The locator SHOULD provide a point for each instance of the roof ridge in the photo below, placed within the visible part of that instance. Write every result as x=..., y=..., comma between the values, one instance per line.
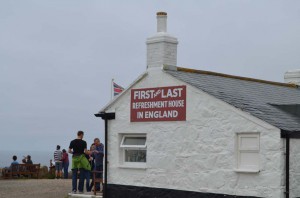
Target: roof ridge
x=168, y=67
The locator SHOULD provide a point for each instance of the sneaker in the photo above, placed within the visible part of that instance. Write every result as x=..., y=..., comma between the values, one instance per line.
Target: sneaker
x=73, y=192
x=80, y=192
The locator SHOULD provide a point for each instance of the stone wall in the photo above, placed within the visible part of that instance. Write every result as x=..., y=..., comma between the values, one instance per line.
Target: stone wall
x=198, y=154
x=295, y=168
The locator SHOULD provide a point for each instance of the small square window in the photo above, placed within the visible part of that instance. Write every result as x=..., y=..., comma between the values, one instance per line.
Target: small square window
x=134, y=148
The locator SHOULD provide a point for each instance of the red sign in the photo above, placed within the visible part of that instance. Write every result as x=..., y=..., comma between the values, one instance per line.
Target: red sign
x=158, y=104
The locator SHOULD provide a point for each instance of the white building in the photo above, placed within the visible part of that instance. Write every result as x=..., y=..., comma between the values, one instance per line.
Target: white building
x=178, y=132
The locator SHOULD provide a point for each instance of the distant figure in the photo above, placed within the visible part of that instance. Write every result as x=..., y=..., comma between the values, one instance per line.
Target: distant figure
x=78, y=148
x=58, y=162
x=65, y=163
x=6, y=170
x=52, y=167
x=52, y=164
x=14, y=160
x=92, y=162
x=28, y=160
x=24, y=160
x=98, y=156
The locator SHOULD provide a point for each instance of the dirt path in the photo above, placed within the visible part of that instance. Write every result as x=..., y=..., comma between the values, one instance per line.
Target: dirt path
x=35, y=188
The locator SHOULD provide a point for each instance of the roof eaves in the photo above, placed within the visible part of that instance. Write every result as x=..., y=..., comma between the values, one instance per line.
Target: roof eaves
x=290, y=134
x=174, y=68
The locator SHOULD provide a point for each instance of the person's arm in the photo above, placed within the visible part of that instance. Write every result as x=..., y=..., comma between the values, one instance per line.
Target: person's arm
x=101, y=149
x=85, y=149
x=70, y=148
x=63, y=157
x=87, y=152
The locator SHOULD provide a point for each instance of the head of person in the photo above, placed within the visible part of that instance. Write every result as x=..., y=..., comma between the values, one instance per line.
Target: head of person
x=57, y=147
x=14, y=158
x=80, y=134
x=97, y=141
x=28, y=157
x=92, y=147
x=64, y=151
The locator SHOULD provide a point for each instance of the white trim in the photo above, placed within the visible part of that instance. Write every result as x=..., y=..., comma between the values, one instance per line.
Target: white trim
x=143, y=147
x=123, y=148
x=246, y=170
x=240, y=151
x=134, y=165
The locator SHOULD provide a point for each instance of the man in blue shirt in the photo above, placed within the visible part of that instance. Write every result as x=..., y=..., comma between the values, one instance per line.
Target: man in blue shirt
x=98, y=156
x=14, y=160
x=11, y=168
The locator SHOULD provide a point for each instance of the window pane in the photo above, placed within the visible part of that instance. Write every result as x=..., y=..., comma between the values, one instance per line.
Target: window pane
x=249, y=160
x=249, y=143
x=135, y=155
x=134, y=141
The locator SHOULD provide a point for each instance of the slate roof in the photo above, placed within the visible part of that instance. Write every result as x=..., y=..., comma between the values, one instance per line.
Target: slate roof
x=263, y=99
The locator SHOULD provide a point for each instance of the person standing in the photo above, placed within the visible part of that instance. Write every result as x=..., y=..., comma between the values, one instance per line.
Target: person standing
x=98, y=156
x=58, y=162
x=78, y=148
x=92, y=162
x=65, y=163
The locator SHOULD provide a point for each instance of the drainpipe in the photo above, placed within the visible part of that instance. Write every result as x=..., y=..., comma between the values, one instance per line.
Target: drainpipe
x=287, y=166
x=106, y=117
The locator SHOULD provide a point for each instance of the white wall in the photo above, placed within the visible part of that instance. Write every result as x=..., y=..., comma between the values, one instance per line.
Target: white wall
x=295, y=168
x=199, y=154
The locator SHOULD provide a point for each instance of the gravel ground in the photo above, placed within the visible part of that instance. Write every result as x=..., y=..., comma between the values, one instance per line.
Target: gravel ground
x=35, y=188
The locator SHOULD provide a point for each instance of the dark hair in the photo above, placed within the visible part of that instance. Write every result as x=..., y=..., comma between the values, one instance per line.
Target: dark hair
x=28, y=157
x=96, y=139
x=64, y=150
x=57, y=147
x=14, y=158
x=79, y=133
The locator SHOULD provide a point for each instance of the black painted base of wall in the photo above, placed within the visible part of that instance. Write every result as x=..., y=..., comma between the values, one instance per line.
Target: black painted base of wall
x=122, y=191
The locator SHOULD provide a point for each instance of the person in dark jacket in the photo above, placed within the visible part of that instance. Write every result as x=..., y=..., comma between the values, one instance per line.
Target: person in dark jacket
x=98, y=155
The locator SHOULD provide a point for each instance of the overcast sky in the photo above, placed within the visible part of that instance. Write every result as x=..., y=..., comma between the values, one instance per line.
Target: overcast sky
x=57, y=58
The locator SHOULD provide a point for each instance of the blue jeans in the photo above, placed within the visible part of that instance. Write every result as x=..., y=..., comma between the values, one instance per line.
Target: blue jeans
x=81, y=179
x=66, y=167
x=87, y=177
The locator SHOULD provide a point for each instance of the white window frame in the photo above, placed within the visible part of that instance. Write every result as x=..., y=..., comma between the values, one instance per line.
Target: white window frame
x=248, y=169
x=133, y=146
x=136, y=165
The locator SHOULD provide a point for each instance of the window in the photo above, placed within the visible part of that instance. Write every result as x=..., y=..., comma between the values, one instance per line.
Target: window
x=134, y=148
x=248, y=152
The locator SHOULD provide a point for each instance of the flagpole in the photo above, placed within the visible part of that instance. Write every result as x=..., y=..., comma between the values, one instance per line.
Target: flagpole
x=111, y=89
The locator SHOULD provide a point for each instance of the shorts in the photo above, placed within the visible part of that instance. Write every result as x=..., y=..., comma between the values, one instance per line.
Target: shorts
x=58, y=166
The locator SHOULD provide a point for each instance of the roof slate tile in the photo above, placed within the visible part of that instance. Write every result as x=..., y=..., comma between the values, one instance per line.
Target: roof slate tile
x=253, y=97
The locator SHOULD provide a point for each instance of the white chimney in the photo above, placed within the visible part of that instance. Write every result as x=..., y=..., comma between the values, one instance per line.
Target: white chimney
x=292, y=76
x=162, y=47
